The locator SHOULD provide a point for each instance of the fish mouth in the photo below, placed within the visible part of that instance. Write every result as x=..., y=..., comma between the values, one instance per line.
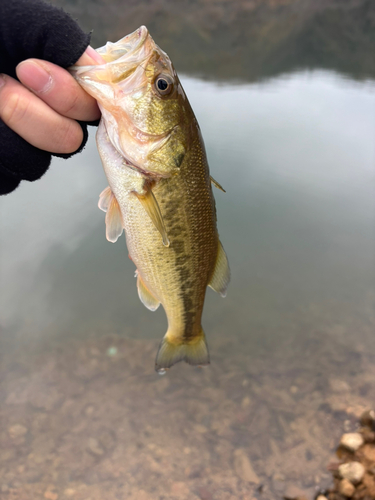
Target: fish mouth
x=130, y=50
x=125, y=47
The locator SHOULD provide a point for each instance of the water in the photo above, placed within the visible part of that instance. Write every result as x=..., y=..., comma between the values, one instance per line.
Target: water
x=83, y=413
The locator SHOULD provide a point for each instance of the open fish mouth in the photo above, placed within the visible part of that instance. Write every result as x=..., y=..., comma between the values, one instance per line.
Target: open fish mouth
x=125, y=48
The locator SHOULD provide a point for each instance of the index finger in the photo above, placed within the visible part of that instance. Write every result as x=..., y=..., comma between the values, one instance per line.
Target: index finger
x=57, y=88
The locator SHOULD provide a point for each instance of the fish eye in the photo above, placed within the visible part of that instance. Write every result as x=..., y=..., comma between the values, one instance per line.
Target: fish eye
x=163, y=84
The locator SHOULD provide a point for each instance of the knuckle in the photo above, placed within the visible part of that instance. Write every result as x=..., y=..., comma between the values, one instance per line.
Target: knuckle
x=70, y=106
x=70, y=137
x=14, y=108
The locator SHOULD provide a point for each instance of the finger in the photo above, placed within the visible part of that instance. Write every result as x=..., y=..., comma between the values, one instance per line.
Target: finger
x=57, y=88
x=35, y=121
x=90, y=57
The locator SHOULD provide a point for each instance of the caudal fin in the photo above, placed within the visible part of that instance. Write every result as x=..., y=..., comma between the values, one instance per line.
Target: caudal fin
x=194, y=352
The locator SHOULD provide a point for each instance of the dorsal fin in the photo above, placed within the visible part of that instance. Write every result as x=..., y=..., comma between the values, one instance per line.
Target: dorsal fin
x=152, y=208
x=145, y=295
x=217, y=185
x=221, y=275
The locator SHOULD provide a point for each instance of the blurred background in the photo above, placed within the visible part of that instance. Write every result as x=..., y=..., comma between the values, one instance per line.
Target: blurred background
x=284, y=93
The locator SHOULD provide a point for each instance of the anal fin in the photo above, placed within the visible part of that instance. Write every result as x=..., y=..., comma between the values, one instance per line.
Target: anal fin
x=146, y=296
x=221, y=275
x=217, y=185
x=150, y=204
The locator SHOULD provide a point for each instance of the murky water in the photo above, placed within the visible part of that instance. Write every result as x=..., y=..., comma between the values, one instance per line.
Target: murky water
x=84, y=416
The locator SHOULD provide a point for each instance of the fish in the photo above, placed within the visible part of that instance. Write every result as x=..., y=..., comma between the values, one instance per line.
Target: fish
x=159, y=188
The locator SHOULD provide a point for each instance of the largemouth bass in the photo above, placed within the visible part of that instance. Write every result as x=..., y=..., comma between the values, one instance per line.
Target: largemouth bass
x=159, y=188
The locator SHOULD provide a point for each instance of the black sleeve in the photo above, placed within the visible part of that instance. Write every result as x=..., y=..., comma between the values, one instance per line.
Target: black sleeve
x=33, y=28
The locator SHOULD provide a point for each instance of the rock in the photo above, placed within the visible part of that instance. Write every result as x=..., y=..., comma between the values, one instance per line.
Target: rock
x=339, y=386
x=292, y=492
x=50, y=495
x=243, y=467
x=321, y=497
x=180, y=489
x=367, y=419
x=112, y=351
x=353, y=471
x=93, y=446
x=346, y=488
x=369, y=452
x=368, y=435
x=200, y=429
x=69, y=492
x=246, y=402
x=17, y=431
x=351, y=441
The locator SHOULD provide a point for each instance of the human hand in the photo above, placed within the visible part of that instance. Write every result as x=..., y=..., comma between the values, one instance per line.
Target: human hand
x=44, y=105
x=39, y=113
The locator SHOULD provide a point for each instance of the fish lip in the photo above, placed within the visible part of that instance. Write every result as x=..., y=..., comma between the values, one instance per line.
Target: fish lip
x=142, y=33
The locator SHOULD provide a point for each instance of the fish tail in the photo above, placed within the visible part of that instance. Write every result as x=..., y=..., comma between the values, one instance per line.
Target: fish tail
x=194, y=352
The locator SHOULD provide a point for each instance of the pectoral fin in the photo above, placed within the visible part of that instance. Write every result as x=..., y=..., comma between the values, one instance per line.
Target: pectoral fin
x=221, y=275
x=146, y=296
x=217, y=185
x=151, y=206
x=104, y=199
x=113, y=221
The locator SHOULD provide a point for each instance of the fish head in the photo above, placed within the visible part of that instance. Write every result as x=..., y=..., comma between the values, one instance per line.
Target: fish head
x=144, y=107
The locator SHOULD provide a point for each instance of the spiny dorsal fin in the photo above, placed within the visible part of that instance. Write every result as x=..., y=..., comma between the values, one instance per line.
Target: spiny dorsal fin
x=151, y=206
x=146, y=296
x=217, y=185
x=105, y=198
x=113, y=221
x=221, y=275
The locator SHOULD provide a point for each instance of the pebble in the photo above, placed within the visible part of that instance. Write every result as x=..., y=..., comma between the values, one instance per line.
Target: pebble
x=346, y=488
x=368, y=435
x=353, y=471
x=94, y=447
x=351, y=441
x=292, y=492
x=367, y=419
x=243, y=467
x=50, y=495
x=246, y=402
x=69, y=492
x=339, y=386
x=180, y=489
x=17, y=430
x=112, y=351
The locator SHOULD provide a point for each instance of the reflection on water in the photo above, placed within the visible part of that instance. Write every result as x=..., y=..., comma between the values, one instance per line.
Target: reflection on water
x=243, y=40
x=84, y=416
